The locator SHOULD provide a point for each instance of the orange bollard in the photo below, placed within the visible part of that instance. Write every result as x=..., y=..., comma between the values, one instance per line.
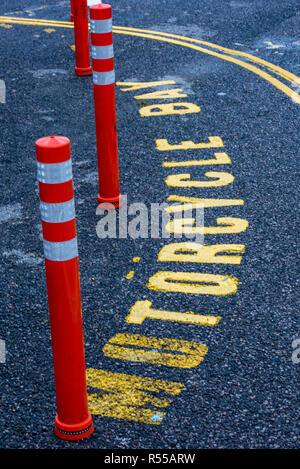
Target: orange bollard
x=81, y=36
x=73, y=420
x=105, y=106
x=72, y=10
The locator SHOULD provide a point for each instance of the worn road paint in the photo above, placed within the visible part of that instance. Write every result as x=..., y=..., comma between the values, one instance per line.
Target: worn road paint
x=2, y=351
x=2, y=92
x=49, y=30
x=187, y=354
x=127, y=397
x=130, y=275
x=136, y=259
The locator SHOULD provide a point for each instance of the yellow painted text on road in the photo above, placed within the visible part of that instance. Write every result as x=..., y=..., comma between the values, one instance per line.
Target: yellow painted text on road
x=186, y=225
x=163, y=94
x=196, y=252
x=162, y=144
x=167, y=352
x=193, y=282
x=169, y=109
x=220, y=158
x=127, y=397
x=184, y=180
x=142, y=310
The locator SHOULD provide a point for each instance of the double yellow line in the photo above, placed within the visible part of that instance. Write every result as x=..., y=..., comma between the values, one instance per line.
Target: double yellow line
x=243, y=59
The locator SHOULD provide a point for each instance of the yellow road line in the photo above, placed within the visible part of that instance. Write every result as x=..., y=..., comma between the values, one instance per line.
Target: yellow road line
x=275, y=68
x=167, y=37
x=266, y=76
x=34, y=20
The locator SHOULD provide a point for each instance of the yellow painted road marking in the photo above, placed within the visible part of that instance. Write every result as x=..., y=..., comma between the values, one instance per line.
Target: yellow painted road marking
x=196, y=252
x=184, y=180
x=220, y=158
x=187, y=354
x=168, y=109
x=163, y=94
x=193, y=283
x=254, y=59
x=189, y=203
x=126, y=396
x=142, y=310
x=186, y=225
x=188, y=42
x=162, y=144
x=136, y=85
x=130, y=275
x=266, y=76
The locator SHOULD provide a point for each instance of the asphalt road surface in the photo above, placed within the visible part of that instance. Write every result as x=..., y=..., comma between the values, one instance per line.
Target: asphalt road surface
x=221, y=371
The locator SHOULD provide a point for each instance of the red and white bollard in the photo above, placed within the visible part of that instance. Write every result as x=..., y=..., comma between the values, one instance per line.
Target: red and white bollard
x=81, y=37
x=73, y=420
x=105, y=105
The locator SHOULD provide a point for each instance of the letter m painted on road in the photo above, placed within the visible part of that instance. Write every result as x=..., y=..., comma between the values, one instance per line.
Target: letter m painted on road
x=2, y=92
x=129, y=397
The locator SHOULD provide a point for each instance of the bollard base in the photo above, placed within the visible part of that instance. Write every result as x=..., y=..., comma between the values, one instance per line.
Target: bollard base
x=74, y=432
x=110, y=203
x=83, y=71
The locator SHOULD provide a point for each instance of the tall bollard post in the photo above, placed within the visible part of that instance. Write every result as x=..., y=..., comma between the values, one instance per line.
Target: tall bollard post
x=72, y=10
x=73, y=420
x=105, y=106
x=81, y=37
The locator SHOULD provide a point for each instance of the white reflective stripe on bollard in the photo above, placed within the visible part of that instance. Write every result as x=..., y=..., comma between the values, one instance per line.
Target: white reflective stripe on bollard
x=63, y=251
x=102, y=52
x=104, y=78
x=54, y=173
x=93, y=2
x=101, y=26
x=58, y=212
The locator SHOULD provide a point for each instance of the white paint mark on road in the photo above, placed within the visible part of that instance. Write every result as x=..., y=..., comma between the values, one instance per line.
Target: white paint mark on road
x=90, y=178
x=2, y=92
x=2, y=351
x=271, y=45
x=42, y=73
x=296, y=87
x=157, y=417
x=47, y=118
x=10, y=212
x=20, y=257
